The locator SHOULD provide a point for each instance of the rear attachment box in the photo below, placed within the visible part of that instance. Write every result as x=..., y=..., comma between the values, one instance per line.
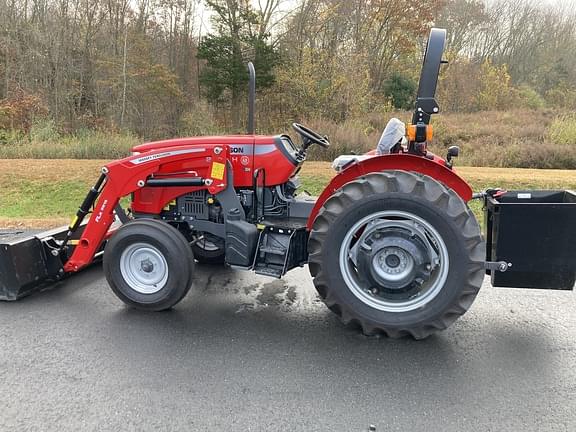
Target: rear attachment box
x=534, y=231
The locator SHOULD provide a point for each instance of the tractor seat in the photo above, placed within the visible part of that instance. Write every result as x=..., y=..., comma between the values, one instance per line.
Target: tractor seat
x=393, y=135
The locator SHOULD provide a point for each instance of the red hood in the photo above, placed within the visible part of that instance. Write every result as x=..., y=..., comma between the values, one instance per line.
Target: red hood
x=229, y=139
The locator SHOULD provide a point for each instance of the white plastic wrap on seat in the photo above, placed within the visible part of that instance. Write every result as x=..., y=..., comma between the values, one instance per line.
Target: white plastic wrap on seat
x=394, y=131
x=343, y=161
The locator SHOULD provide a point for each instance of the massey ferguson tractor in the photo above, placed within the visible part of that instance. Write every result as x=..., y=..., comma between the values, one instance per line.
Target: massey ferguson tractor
x=391, y=243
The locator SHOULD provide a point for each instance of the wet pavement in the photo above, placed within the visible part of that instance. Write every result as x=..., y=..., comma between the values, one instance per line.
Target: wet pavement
x=248, y=353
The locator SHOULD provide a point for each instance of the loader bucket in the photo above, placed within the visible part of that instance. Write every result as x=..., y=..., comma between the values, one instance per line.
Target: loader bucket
x=27, y=263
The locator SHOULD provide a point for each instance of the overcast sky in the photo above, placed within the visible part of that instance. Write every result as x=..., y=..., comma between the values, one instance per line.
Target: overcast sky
x=204, y=13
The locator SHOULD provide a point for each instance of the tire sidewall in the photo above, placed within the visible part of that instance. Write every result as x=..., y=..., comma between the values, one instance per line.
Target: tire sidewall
x=210, y=257
x=179, y=266
x=445, y=226
x=204, y=256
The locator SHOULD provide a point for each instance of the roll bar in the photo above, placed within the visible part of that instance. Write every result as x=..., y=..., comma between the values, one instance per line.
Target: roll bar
x=426, y=104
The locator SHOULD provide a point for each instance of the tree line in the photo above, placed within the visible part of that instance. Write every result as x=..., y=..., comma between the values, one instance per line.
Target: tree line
x=158, y=68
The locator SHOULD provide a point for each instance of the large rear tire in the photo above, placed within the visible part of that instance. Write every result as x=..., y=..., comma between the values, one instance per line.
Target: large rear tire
x=209, y=250
x=149, y=265
x=397, y=253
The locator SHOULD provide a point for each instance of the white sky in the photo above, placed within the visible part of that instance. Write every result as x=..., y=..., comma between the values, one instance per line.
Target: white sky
x=204, y=13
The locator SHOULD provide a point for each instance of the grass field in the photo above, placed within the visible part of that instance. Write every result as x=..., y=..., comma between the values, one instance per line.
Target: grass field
x=44, y=193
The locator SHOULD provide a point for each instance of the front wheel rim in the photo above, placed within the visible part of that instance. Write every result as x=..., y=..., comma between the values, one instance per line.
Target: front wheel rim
x=144, y=268
x=404, y=271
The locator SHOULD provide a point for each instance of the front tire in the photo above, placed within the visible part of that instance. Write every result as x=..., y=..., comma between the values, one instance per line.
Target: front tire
x=149, y=265
x=397, y=253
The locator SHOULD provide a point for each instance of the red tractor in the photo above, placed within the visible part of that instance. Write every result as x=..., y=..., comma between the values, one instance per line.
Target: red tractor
x=391, y=242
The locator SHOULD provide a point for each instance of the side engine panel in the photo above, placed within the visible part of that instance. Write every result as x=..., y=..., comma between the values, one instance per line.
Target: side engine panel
x=199, y=206
x=268, y=234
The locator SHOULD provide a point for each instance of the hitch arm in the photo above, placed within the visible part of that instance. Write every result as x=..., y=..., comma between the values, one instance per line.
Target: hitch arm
x=500, y=266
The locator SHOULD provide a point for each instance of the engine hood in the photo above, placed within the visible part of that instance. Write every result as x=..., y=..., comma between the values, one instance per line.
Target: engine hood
x=228, y=139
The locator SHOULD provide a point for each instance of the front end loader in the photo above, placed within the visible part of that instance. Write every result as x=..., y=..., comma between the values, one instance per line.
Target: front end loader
x=391, y=242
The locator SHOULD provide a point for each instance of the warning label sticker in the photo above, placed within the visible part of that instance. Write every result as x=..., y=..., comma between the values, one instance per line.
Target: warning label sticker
x=217, y=171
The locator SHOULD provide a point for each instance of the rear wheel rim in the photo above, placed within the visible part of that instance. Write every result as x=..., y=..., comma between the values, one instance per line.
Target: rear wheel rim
x=207, y=245
x=396, y=282
x=144, y=268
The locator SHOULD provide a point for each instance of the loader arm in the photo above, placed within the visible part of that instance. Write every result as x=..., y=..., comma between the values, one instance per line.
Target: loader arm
x=195, y=167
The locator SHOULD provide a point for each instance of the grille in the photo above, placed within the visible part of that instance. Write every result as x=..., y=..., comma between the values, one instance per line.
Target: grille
x=194, y=204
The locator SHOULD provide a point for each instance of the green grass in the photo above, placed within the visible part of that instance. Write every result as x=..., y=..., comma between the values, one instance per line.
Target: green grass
x=479, y=179
x=48, y=192
x=35, y=199
x=315, y=185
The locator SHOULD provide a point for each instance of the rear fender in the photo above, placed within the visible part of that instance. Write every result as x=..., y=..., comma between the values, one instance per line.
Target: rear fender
x=404, y=162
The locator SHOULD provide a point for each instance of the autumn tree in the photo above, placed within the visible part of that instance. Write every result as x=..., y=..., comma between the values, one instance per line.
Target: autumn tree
x=239, y=37
x=142, y=66
x=346, y=51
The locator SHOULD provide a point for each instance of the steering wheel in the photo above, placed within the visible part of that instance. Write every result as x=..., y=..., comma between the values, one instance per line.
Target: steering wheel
x=310, y=137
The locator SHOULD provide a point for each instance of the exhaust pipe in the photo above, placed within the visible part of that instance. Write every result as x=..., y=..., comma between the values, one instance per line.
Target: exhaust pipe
x=251, y=99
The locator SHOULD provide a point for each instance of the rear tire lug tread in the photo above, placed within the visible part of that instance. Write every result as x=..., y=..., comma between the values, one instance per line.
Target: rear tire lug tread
x=436, y=194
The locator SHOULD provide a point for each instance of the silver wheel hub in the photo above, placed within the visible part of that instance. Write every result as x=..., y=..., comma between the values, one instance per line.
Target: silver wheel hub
x=394, y=261
x=144, y=268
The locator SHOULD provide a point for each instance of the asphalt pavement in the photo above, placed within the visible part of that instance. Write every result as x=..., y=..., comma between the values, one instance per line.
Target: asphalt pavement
x=249, y=353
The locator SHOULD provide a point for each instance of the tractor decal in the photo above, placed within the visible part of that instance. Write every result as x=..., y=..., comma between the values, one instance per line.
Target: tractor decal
x=144, y=159
x=248, y=149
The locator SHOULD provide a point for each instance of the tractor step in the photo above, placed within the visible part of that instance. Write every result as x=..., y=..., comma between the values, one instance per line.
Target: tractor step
x=282, y=245
x=269, y=271
x=274, y=251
